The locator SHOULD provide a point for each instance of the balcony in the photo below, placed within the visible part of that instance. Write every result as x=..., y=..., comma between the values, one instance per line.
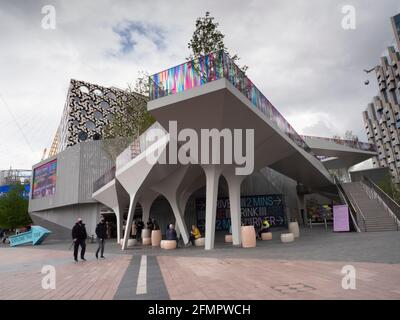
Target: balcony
x=213, y=67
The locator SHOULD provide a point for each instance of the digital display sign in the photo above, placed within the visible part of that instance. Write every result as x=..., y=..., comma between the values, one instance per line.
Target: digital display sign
x=44, y=180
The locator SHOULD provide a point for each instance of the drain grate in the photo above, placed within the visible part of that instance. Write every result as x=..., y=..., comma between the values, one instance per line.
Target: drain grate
x=293, y=288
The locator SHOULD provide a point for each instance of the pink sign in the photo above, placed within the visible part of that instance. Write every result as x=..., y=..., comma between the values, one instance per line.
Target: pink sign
x=341, y=218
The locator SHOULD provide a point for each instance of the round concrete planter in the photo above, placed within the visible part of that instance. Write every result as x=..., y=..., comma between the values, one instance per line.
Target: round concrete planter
x=228, y=238
x=146, y=241
x=200, y=242
x=146, y=233
x=287, y=237
x=156, y=238
x=248, y=237
x=294, y=228
x=266, y=236
x=131, y=242
x=168, y=244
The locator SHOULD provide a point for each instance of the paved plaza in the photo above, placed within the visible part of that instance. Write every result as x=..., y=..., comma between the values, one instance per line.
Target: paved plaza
x=309, y=268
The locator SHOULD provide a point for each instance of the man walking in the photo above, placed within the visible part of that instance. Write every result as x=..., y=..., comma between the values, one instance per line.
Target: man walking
x=79, y=236
x=101, y=233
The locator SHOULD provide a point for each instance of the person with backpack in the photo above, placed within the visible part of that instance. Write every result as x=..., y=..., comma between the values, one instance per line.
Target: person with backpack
x=101, y=233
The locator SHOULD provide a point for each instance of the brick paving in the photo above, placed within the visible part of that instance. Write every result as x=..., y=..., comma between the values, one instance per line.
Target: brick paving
x=213, y=278
x=309, y=268
x=21, y=276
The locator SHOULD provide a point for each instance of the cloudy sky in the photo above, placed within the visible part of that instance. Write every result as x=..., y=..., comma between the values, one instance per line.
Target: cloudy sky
x=297, y=52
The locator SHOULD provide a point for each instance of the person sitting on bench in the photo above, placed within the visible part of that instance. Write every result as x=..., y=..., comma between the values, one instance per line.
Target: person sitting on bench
x=194, y=234
x=171, y=233
x=264, y=229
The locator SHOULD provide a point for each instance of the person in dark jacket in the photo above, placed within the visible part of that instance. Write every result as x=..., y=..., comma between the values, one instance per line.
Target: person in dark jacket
x=171, y=233
x=150, y=224
x=101, y=233
x=139, y=228
x=79, y=236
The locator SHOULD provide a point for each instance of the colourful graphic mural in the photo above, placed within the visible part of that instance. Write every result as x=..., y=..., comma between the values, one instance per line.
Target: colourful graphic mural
x=44, y=180
x=212, y=67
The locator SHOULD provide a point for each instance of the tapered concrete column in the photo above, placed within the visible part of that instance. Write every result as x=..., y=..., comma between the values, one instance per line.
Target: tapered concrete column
x=179, y=221
x=212, y=173
x=301, y=206
x=128, y=227
x=146, y=202
x=119, y=224
x=169, y=189
x=234, y=183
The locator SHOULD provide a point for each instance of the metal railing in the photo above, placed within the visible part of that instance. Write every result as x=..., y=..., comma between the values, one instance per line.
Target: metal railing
x=104, y=179
x=356, y=215
x=392, y=207
x=139, y=145
x=214, y=66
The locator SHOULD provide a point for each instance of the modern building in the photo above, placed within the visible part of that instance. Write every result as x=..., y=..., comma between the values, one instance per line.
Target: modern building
x=396, y=27
x=88, y=109
x=12, y=176
x=62, y=188
x=218, y=98
x=382, y=117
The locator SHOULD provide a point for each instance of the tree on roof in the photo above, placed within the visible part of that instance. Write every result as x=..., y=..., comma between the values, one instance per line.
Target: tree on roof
x=207, y=38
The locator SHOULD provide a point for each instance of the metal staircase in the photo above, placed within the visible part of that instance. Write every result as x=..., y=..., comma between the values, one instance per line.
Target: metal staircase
x=371, y=211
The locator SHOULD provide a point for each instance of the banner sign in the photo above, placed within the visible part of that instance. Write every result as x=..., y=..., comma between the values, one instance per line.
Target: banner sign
x=6, y=189
x=44, y=180
x=254, y=210
x=341, y=218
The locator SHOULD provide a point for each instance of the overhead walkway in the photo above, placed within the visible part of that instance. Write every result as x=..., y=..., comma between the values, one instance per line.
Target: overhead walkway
x=339, y=153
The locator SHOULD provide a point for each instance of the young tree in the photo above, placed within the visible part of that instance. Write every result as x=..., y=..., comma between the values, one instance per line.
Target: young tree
x=14, y=209
x=207, y=39
x=132, y=121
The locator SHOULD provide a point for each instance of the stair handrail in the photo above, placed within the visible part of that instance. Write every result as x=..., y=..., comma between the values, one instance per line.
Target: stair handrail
x=350, y=205
x=392, y=205
x=359, y=211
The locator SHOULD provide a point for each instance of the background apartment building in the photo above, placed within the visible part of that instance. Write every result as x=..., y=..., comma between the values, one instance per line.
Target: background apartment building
x=382, y=117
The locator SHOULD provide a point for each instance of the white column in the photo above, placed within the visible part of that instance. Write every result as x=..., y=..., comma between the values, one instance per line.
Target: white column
x=300, y=204
x=212, y=178
x=131, y=213
x=234, y=183
x=179, y=221
x=119, y=224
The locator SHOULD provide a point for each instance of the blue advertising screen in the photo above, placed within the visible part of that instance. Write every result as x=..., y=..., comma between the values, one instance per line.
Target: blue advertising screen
x=44, y=180
x=5, y=189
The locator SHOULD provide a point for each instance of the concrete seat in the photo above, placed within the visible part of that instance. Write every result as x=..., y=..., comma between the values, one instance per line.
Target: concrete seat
x=287, y=237
x=228, y=238
x=156, y=238
x=294, y=228
x=266, y=236
x=146, y=241
x=200, y=242
x=168, y=244
x=249, y=239
x=131, y=242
